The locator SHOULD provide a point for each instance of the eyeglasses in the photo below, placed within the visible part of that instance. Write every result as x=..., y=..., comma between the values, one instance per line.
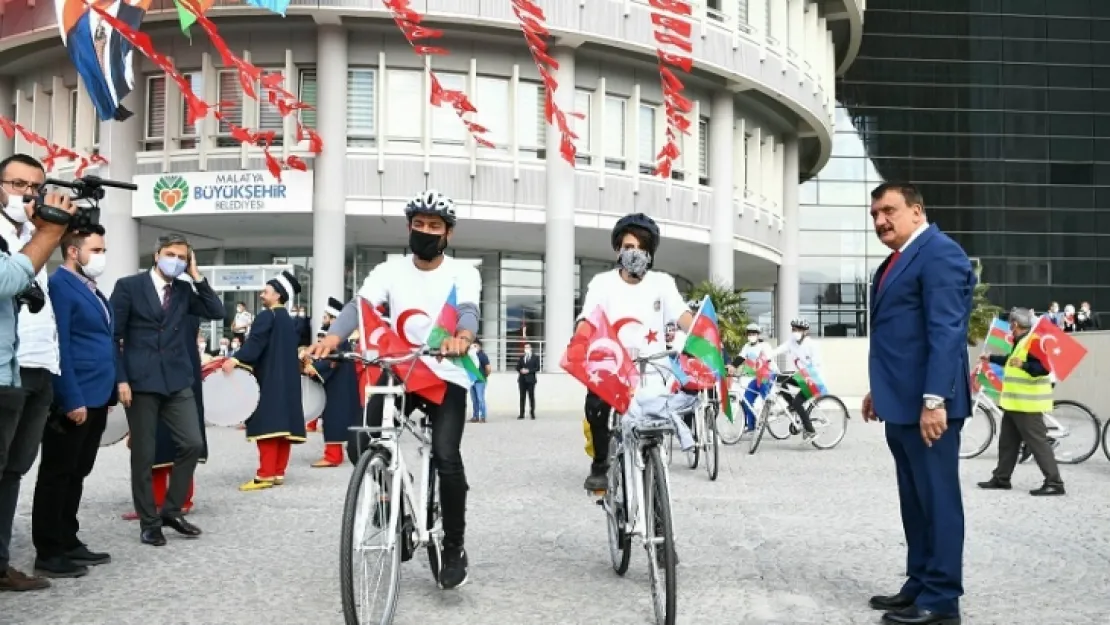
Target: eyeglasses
x=22, y=185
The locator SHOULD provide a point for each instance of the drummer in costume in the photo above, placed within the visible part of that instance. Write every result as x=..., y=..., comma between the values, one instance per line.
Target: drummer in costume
x=271, y=350
x=343, y=406
x=330, y=313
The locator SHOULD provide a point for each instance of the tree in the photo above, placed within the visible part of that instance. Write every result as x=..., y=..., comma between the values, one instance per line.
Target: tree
x=983, y=311
x=732, y=312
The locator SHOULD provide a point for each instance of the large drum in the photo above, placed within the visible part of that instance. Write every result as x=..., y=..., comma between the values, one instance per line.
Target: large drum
x=229, y=398
x=116, y=429
x=313, y=397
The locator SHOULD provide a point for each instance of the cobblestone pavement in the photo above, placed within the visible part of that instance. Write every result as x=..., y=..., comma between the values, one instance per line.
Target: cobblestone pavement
x=789, y=536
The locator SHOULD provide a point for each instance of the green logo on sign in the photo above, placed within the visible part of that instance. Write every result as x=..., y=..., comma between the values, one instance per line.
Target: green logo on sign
x=171, y=193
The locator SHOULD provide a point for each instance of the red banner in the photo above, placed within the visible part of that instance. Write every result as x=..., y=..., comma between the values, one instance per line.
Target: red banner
x=409, y=21
x=53, y=150
x=673, y=30
x=533, y=25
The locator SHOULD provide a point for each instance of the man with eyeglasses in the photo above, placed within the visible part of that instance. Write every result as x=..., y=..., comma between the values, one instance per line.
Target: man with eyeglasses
x=28, y=340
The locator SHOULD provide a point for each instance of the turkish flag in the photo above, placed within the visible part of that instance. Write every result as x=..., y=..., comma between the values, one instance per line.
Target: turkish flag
x=699, y=377
x=603, y=365
x=1057, y=351
x=375, y=334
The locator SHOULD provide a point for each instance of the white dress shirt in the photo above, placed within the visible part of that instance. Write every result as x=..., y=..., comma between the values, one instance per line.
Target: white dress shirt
x=38, y=333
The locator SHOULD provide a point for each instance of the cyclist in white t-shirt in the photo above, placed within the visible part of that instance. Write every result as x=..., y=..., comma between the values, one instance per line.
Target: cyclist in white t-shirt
x=801, y=351
x=415, y=289
x=639, y=303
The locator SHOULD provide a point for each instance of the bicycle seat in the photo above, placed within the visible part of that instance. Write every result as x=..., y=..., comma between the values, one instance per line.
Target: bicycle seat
x=653, y=427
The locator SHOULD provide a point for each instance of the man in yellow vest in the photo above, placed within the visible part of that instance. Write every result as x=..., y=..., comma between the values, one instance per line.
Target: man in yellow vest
x=1026, y=396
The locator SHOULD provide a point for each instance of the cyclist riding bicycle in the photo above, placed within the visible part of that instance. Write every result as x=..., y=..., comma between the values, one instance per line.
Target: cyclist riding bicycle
x=755, y=349
x=415, y=288
x=801, y=351
x=640, y=303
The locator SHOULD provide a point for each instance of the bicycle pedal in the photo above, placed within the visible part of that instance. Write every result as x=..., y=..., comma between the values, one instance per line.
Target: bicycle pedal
x=596, y=493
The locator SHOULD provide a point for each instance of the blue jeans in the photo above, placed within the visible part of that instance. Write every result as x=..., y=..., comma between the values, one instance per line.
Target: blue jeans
x=753, y=391
x=478, y=399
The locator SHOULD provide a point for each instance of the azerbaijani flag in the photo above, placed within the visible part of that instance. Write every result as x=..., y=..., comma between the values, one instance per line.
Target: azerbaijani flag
x=999, y=336
x=987, y=378
x=811, y=386
x=704, y=343
x=760, y=369
x=446, y=325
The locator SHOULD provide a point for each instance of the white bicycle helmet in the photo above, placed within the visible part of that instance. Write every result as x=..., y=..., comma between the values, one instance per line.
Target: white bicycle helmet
x=432, y=202
x=800, y=323
x=753, y=328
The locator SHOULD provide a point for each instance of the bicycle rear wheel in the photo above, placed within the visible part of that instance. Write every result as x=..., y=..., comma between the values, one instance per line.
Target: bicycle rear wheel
x=1106, y=439
x=693, y=455
x=615, y=502
x=712, y=441
x=978, y=433
x=660, y=542
x=760, y=428
x=730, y=432
x=435, y=529
x=366, y=515
x=1074, y=431
x=829, y=417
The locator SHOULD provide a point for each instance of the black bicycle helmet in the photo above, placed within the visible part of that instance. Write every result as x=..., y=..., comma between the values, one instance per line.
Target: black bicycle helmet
x=432, y=202
x=801, y=324
x=640, y=221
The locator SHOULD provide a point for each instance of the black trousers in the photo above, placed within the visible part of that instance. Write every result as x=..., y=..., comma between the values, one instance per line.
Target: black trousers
x=597, y=415
x=68, y=455
x=448, y=421
x=178, y=411
x=527, y=391
x=1027, y=427
x=796, y=401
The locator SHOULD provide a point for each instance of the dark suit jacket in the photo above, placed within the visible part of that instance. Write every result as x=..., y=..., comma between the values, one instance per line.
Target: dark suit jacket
x=152, y=354
x=303, y=327
x=919, y=330
x=85, y=346
x=532, y=364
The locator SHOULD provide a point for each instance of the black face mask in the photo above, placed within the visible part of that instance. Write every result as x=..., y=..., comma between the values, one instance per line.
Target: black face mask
x=325, y=326
x=425, y=246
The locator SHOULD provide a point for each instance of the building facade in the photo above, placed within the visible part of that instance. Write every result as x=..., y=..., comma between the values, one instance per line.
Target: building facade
x=536, y=227
x=1000, y=111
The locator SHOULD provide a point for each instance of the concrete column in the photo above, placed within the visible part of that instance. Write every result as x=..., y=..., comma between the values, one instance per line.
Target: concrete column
x=7, y=94
x=219, y=256
x=721, y=146
x=558, y=273
x=119, y=141
x=329, y=217
x=491, y=332
x=787, y=291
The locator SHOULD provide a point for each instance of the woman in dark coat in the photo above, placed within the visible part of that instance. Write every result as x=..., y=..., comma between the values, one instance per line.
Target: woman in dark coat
x=271, y=352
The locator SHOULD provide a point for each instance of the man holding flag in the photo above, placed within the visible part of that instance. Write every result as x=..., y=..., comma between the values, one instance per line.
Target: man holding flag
x=433, y=300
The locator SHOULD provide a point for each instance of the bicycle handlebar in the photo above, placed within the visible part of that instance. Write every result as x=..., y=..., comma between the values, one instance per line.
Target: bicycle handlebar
x=377, y=359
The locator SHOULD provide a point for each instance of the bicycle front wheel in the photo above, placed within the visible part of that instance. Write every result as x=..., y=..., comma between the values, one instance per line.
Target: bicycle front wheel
x=978, y=433
x=369, y=574
x=615, y=504
x=829, y=417
x=760, y=428
x=712, y=441
x=1073, y=430
x=1106, y=440
x=660, y=542
x=731, y=431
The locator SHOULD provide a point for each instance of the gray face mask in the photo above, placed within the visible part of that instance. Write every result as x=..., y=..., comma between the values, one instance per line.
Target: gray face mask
x=635, y=262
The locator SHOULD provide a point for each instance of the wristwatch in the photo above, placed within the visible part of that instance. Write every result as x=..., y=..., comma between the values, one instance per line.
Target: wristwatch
x=932, y=403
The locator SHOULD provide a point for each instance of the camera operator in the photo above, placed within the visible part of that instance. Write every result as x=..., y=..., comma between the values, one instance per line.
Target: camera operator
x=26, y=389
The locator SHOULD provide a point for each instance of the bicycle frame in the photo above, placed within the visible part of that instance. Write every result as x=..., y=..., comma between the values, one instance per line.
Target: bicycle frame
x=1055, y=428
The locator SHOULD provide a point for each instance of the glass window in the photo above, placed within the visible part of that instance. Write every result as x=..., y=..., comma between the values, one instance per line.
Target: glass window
x=826, y=217
x=189, y=131
x=846, y=193
x=155, y=112
x=405, y=93
x=647, y=141
x=582, y=101
x=835, y=269
x=703, y=150
x=447, y=128
x=230, y=95
x=361, y=103
x=269, y=117
x=614, y=131
x=72, y=138
x=491, y=98
x=308, y=96
x=531, y=125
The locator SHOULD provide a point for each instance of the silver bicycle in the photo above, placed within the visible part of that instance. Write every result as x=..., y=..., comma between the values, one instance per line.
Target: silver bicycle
x=707, y=440
x=1069, y=425
x=378, y=535
x=638, y=500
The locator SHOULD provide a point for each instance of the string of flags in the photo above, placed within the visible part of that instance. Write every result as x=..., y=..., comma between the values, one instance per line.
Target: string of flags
x=54, y=152
x=672, y=34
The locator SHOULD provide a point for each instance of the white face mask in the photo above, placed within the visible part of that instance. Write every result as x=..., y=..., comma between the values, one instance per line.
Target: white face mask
x=95, y=267
x=527, y=352
x=14, y=209
x=202, y=346
x=234, y=346
x=753, y=339
x=797, y=336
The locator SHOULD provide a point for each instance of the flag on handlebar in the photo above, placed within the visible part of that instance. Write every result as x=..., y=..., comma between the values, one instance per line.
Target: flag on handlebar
x=760, y=369
x=446, y=325
x=603, y=364
x=375, y=334
x=810, y=384
x=704, y=343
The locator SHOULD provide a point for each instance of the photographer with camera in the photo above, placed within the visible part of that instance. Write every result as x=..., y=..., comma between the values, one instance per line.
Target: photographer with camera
x=29, y=355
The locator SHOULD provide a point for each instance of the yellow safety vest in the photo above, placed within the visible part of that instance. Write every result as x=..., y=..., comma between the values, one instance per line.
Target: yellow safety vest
x=1022, y=392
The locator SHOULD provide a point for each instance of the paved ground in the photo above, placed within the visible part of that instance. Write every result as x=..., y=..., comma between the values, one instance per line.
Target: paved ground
x=789, y=536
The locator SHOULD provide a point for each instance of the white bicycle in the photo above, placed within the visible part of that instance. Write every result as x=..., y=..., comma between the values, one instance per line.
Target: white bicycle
x=707, y=440
x=377, y=535
x=1073, y=430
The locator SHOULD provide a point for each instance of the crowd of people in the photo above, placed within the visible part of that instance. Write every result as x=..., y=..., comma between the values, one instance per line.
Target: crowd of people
x=1071, y=320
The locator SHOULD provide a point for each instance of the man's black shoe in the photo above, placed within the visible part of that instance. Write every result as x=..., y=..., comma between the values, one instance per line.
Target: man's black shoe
x=598, y=479
x=59, y=567
x=153, y=536
x=520, y=418
x=533, y=416
x=887, y=603
x=914, y=615
x=455, y=565
x=81, y=555
x=1048, y=490
x=995, y=484
x=181, y=526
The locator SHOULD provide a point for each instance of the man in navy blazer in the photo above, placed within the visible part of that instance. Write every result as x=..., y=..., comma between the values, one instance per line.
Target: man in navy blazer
x=919, y=373
x=83, y=392
x=155, y=376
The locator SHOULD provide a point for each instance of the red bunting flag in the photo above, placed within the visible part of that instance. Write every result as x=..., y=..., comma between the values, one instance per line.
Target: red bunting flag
x=53, y=150
x=409, y=21
x=672, y=28
x=533, y=25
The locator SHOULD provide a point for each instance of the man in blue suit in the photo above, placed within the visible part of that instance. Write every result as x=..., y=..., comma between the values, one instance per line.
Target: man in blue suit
x=82, y=394
x=155, y=377
x=919, y=373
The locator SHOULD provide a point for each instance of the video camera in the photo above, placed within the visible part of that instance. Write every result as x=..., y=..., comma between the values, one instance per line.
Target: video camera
x=89, y=189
